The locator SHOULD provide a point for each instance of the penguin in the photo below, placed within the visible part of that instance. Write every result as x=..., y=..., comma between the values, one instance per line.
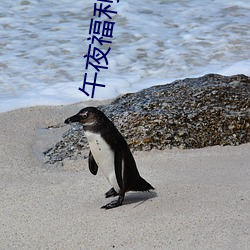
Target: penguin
x=110, y=152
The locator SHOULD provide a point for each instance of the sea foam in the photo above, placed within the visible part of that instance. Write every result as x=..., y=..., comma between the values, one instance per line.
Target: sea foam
x=43, y=44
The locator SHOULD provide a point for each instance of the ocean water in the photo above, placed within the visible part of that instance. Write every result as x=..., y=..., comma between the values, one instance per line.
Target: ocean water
x=154, y=42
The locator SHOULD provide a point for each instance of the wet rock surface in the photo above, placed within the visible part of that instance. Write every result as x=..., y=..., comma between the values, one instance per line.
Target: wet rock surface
x=190, y=113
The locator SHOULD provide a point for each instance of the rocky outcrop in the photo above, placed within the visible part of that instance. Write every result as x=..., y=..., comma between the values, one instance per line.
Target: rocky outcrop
x=190, y=113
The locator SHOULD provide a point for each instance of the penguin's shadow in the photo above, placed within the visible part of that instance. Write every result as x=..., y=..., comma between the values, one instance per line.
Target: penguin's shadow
x=137, y=198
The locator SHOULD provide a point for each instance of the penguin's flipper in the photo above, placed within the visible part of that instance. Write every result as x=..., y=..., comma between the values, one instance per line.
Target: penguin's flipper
x=115, y=203
x=93, y=167
x=111, y=193
x=118, y=166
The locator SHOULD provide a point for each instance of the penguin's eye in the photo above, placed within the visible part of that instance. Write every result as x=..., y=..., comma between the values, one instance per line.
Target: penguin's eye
x=84, y=115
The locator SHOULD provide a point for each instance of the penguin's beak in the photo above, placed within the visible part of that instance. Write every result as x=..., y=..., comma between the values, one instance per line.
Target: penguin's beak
x=74, y=118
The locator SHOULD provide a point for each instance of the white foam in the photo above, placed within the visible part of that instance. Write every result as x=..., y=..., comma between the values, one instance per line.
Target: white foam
x=43, y=43
x=242, y=67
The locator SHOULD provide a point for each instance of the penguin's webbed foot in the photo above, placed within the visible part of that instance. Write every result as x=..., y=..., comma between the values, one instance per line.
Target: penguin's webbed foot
x=111, y=193
x=113, y=204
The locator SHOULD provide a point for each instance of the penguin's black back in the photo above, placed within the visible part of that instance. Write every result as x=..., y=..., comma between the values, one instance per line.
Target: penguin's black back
x=132, y=180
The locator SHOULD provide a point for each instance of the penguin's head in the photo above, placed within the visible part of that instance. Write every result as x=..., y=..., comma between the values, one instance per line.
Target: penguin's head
x=88, y=117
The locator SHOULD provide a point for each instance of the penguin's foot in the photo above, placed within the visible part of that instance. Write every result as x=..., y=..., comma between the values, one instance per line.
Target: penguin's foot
x=111, y=193
x=113, y=204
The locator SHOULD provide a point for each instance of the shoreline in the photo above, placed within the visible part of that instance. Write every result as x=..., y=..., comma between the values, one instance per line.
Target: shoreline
x=201, y=198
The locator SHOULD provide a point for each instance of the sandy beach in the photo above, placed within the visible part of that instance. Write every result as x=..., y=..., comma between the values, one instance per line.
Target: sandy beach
x=201, y=198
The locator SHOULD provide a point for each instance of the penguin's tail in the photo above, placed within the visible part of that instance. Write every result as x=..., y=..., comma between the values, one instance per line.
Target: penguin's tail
x=141, y=185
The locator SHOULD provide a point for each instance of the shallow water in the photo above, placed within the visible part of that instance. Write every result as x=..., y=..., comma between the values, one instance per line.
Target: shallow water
x=43, y=43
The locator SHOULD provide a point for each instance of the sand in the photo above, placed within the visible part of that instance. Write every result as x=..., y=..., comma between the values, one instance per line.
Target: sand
x=201, y=200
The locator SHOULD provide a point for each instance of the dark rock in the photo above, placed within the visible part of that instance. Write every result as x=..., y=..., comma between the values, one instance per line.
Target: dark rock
x=190, y=113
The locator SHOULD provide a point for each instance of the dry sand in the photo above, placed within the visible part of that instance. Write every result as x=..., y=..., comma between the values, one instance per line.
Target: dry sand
x=201, y=201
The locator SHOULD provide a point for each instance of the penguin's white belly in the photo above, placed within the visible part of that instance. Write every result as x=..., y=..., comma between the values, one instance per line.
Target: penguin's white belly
x=104, y=157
